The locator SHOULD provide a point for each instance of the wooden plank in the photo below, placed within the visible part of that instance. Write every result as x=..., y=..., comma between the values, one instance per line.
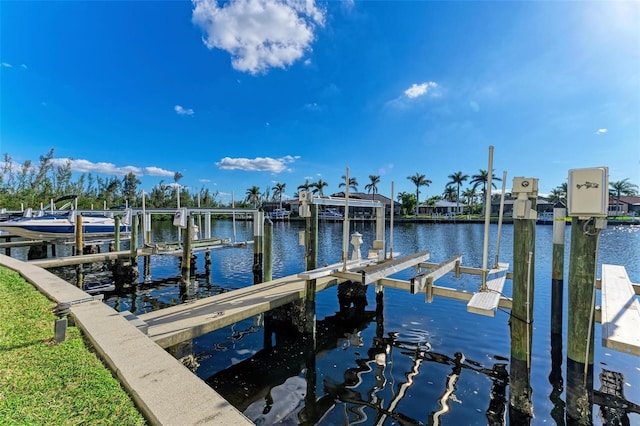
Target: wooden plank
x=419, y=282
x=371, y=274
x=486, y=302
x=325, y=271
x=620, y=311
x=170, y=326
x=85, y=258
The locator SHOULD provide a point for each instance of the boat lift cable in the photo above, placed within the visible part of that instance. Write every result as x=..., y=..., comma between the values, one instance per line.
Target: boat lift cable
x=593, y=304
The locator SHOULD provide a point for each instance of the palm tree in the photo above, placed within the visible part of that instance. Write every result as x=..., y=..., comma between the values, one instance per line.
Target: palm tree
x=470, y=195
x=456, y=179
x=278, y=190
x=419, y=180
x=481, y=179
x=449, y=194
x=353, y=183
x=253, y=196
x=621, y=187
x=557, y=196
x=318, y=187
x=306, y=186
x=372, y=187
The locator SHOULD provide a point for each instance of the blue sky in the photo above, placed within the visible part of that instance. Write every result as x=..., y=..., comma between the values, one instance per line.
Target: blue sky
x=253, y=92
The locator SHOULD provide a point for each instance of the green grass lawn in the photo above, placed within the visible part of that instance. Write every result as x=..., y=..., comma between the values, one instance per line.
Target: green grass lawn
x=44, y=383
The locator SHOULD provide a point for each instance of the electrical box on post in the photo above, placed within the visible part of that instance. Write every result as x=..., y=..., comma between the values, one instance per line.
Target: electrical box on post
x=588, y=192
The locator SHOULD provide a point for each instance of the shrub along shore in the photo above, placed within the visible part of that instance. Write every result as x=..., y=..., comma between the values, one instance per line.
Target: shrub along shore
x=43, y=382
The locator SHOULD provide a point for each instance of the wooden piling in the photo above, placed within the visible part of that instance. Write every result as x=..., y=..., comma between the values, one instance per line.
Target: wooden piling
x=116, y=233
x=522, y=318
x=258, y=240
x=134, y=240
x=311, y=258
x=557, y=284
x=185, y=267
x=582, y=268
x=79, y=251
x=268, y=250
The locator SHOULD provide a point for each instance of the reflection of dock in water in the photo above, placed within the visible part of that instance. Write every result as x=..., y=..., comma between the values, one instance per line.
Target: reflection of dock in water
x=256, y=378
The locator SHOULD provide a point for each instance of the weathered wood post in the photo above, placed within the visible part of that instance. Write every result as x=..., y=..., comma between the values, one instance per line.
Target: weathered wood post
x=582, y=265
x=116, y=233
x=268, y=249
x=557, y=284
x=311, y=259
x=134, y=241
x=7, y=250
x=258, y=240
x=79, y=249
x=588, y=204
x=520, y=404
x=185, y=267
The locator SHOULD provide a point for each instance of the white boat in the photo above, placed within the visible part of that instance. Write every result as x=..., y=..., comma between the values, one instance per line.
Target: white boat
x=330, y=214
x=61, y=225
x=279, y=214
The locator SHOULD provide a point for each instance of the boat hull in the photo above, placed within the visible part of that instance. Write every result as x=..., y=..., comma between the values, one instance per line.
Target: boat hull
x=56, y=228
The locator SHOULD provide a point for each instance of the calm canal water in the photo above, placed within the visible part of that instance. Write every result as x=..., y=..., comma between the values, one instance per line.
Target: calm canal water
x=442, y=364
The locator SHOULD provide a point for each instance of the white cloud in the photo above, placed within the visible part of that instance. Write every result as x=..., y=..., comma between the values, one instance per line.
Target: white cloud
x=7, y=65
x=474, y=106
x=182, y=111
x=23, y=66
x=85, y=166
x=417, y=90
x=601, y=131
x=157, y=171
x=259, y=34
x=258, y=164
x=205, y=180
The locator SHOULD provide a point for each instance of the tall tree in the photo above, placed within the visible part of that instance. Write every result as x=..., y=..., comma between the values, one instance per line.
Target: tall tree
x=353, y=183
x=450, y=194
x=130, y=187
x=278, y=191
x=470, y=195
x=481, y=179
x=419, y=180
x=457, y=179
x=622, y=187
x=372, y=186
x=253, y=196
x=318, y=187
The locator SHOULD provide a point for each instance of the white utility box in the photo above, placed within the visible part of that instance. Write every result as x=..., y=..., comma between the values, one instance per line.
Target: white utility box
x=180, y=218
x=588, y=192
x=525, y=185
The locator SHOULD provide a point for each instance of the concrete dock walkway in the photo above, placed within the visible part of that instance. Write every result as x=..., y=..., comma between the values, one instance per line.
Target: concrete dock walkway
x=164, y=391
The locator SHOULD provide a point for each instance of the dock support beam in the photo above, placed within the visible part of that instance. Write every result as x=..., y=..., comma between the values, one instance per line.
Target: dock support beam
x=520, y=405
x=580, y=346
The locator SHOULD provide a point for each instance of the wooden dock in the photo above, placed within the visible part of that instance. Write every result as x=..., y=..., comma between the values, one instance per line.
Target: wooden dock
x=620, y=311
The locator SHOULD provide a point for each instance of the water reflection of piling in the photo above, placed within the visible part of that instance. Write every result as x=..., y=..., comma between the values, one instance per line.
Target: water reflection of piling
x=580, y=346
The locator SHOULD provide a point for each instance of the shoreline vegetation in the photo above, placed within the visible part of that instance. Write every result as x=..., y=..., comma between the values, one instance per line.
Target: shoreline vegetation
x=43, y=382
